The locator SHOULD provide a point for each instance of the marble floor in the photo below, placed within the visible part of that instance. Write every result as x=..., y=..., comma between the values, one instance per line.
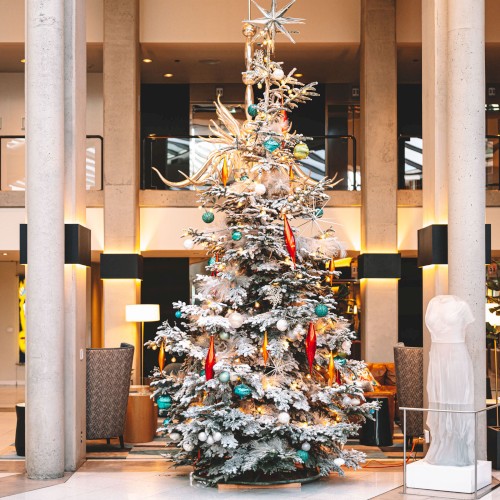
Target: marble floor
x=154, y=480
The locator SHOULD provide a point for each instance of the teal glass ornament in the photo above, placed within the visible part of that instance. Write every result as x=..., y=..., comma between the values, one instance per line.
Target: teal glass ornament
x=224, y=335
x=202, y=373
x=319, y=213
x=178, y=314
x=236, y=236
x=321, y=310
x=224, y=377
x=244, y=178
x=341, y=361
x=242, y=391
x=271, y=144
x=166, y=422
x=303, y=455
x=164, y=402
x=208, y=217
x=211, y=261
x=372, y=411
x=253, y=110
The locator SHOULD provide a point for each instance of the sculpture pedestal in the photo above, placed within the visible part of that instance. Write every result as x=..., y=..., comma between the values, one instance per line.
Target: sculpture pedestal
x=424, y=476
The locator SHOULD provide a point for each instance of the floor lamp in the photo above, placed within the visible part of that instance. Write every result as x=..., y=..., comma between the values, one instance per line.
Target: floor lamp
x=140, y=313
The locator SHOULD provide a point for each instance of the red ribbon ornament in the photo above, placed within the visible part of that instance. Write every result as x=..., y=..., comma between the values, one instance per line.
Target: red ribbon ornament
x=289, y=240
x=311, y=345
x=210, y=361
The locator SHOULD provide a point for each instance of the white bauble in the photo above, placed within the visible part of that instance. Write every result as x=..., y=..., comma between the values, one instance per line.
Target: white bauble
x=278, y=74
x=234, y=377
x=188, y=447
x=174, y=436
x=259, y=189
x=299, y=330
x=188, y=244
x=202, y=436
x=236, y=319
x=346, y=346
x=355, y=402
x=283, y=418
x=306, y=446
x=210, y=440
x=348, y=401
x=292, y=335
x=339, y=462
x=282, y=325
x=217, y=436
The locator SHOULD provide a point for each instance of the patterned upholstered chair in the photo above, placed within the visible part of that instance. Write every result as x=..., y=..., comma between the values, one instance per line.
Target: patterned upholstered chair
x=409, y=363
x=108, y=383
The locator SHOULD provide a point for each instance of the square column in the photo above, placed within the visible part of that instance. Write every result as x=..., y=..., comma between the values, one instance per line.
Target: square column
x=379, y=315
x=121, y=160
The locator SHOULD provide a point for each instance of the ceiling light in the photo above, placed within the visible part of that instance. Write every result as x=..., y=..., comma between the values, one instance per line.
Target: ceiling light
x=168, y=75
x=209, y=61
x=23, y=60
x=147, y=60
x=298, y=75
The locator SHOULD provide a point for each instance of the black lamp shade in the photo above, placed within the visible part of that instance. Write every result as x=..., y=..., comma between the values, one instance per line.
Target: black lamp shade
x=379, y=265
x=121, y=266
x=76, y=244
x=433, y=245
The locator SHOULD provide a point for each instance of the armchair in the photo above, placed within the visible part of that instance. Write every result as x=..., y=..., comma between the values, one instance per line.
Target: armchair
x=108, y=383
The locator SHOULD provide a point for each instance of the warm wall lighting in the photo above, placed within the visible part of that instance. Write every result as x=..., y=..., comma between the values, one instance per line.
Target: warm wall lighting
x=433, y=245
x=379, y=265
x=147, y=60
x=76, y=244
x=168, y=75
x=23, y=60
x=121, y=266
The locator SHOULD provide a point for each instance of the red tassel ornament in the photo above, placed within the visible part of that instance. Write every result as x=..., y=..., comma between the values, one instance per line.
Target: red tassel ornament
x=311, y=345
x=210, y=361
x=289, y=240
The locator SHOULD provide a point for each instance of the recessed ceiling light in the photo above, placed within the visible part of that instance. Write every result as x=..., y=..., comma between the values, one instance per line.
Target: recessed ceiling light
x=23, y=60
x=147, y=60
x=298, y=75
x=209, y=61
x=168, y=75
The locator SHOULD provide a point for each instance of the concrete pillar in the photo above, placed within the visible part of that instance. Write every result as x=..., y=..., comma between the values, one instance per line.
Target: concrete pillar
x=45, y=210
x=434, y=123
x=121, y=160
x=379, y=315
x=75, y=288
x=466, y=177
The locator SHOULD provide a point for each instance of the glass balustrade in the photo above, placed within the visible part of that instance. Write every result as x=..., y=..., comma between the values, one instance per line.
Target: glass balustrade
x=179, y=157
x=410, y=162
x=12, y=163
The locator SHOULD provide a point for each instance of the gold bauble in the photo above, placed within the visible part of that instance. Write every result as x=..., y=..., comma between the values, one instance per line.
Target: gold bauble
x=301, y=151
x=248, y=29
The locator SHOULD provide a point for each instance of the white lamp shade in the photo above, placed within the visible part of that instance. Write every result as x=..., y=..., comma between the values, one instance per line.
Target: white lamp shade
x=142, y=312
x=491, y=317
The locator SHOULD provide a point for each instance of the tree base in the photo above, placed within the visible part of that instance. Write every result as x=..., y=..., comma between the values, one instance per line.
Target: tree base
x=255, y=480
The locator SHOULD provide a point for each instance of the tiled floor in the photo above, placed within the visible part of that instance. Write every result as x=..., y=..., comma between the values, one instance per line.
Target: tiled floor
x=154, y=480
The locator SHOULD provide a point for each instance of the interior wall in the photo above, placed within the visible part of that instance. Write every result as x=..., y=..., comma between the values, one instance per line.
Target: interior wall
x=9, y=325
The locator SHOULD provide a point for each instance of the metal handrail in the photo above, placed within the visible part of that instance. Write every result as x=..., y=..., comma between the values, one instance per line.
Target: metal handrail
x=435, y=410
x=90, y=136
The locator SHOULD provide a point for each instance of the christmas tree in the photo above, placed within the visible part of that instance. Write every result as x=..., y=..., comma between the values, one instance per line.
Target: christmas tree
x=265, y=391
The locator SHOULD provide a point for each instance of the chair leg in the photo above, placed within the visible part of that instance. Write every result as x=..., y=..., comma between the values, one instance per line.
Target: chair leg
x=122, y=443
x=108, y=441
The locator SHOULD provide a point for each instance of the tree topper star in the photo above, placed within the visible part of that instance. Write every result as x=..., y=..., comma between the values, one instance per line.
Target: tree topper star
x=273, y=19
